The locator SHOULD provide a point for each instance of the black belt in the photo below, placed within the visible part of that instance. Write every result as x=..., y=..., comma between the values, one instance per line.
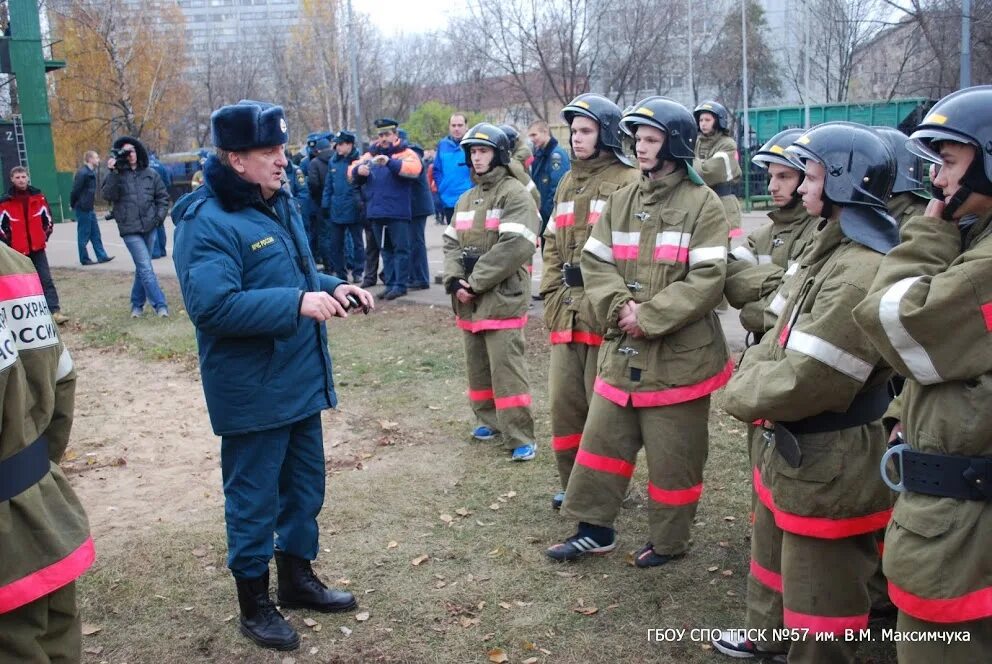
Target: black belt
x=943, y=475
x=468, y=262
x=723, y=189
x=23, y=470
x=572, y=275
x=867, y=407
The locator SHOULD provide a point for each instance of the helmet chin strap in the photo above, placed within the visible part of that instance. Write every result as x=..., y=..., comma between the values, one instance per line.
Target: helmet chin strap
x=957, y=200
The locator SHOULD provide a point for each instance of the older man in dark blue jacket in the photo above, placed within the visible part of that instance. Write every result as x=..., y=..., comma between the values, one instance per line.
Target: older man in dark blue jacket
x=342, y=203
x=259, y=306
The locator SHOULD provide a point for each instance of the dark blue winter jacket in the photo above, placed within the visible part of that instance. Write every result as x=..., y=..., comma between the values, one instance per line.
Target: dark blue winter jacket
x=388, y=187
x=341, y=197
x=244, y=265
x=422, y=203
x=548, y=168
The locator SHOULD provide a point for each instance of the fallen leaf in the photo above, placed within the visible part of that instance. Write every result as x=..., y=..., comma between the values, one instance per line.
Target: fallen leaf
x=586, y=610
x=228, y=618
x=530, y=660
x=705, y=646
x=90, y=630
x=480, y=523
x=731, y=593
x=93, y=650
x=567, y=575
x=309, y=622
x=363, y=616
x=389, y=426
x=546, y=652
x=288, y=660
x=494, y=506
x=447, y=518
x=527, y=645
x=314, y=650
x=419, y=559
x=730, y=518
x=613, y=606
x=488, y=636
x=344, y=630
x=392, y=544
x=724, y=544
x=506, y=605
x=200, y=552
x=462, y=511
x=317, y=627
x=712, y=568
x=440, y=584
x=522, y=604
x=727, y=572
x=187, y=608
x=343, y=582
x=434, y=408
x=511, y=494
x=467, y=622
x=498, y=656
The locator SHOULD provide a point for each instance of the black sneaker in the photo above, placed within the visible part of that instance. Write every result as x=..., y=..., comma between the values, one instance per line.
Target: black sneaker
x=557, y=500
x=733, y=644
x=647, y=557
x=596, y=540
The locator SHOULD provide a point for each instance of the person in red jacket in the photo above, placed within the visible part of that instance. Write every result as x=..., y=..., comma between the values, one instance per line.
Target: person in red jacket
x=26, y=225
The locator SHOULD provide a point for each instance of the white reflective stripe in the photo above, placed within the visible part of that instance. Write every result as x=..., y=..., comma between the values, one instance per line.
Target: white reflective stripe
x=597, y=205
x=778, y=303
x=494, y=213
x=793, y=268
x=703, y=254
x=672, y=238
x=451, y=232
x=599, y=250
x=726, y=161
x=565, y=207
x=829, y=354
x=519, y=229
x=742, y=253
x=627, y=238
x=65, y=365
x=465, y=215
x=530, y=185
x=551, y=227
x=764, y=259
x=912, y=353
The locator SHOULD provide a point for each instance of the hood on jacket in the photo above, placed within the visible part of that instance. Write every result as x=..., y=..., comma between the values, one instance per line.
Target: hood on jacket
x=139, y=147
x=11, y=191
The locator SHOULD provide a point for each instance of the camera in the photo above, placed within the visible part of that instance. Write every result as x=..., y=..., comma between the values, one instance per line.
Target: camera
x=118, y=154
x=355, y=303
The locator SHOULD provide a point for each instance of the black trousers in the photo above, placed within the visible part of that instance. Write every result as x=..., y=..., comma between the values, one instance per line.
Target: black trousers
x=40, y=260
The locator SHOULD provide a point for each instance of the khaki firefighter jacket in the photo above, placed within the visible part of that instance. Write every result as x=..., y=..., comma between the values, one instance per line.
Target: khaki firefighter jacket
x=663, y=244
x=756, y=270
x=579, y=202
x=495, y=224
x=44, y=535
x=716, y=163
x=929, y=312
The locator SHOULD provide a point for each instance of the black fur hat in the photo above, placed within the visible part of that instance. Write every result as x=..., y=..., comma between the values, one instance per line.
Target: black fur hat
x=248, y=125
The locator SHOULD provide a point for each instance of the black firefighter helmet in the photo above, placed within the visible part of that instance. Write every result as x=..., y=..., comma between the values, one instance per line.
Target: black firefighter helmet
x=773, y=152
x=512, y=134
x=717, y=110
x=961, y=117
x=909, y=165
x=859, y=171
x=490, y=136
x=603, y=112
x=672, y=118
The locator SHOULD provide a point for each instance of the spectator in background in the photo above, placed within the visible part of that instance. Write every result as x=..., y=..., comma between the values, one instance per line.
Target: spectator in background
x=158, y=248
x=140, y=205
x=342, y=203
x=452, y=176
x=421, y=207
x=547, y=169
x=81, y=199
x=26, y=225
x=319, y=232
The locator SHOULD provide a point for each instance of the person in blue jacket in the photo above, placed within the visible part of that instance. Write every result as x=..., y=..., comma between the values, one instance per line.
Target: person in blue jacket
x=159, y=246
x=548, y=168
x=421, y=207
x=259, y=306
x=342, y=202
x=452, y=176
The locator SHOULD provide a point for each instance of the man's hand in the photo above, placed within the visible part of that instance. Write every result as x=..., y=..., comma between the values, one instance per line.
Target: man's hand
x=111, y=163
x=321, y=306
x=464, y=294
x=365, y=297
x=380, y=160
x=628, y=319
x=363, y=170
x=894, y=436
x=935, y=208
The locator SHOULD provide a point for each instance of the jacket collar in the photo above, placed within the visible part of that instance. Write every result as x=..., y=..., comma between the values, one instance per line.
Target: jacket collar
x=587, y=168
x=232, y=192
x=31, y=191
x=492, y=178
x=794, y=214
x=827, y=237
x=657, y=190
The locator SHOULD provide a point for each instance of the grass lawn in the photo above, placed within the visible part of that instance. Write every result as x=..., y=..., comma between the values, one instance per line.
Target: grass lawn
x=442, y=539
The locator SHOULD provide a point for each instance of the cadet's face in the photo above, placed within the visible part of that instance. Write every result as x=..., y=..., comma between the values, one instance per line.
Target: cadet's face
x=956, y=159
x=20, y=181
x=263, y=167
x=782, y=183
x=585, y=134
x=706, y=123
x=812, y=188
x=537, y=137
x=344, y=149
x=482, y=157
x=456, y=127
x=648, y=142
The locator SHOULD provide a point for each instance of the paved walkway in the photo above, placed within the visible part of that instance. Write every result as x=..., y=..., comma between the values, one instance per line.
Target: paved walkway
x=62, y=253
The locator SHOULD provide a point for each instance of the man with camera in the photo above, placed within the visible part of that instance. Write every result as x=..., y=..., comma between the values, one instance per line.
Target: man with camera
x=140, y=204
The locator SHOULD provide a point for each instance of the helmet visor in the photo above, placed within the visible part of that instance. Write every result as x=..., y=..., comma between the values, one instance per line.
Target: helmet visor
x=630, y=123
x=762, y=159
x=799, y=155
x=921, y=142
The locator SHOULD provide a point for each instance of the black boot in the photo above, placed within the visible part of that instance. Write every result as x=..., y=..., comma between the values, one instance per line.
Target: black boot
x=299, y=588
x=260, y=620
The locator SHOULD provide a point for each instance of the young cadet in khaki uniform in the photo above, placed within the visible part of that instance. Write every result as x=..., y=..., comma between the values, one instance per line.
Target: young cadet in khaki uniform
x=929, y=312
x=598, y=169
x=818, y=383
x=487, y=249
x=653, y=267
x=45, y=542
x=716, y=159
x=909, y=195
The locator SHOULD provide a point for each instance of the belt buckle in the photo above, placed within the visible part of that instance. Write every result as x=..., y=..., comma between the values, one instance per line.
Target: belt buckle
x=895, y=453
x=635, y=286
x=628, y=351
x=564, y=274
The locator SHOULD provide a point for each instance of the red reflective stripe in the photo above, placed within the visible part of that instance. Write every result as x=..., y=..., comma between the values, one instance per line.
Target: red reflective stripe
x=14, y=286
x=824, y=624
x=671, y=252
x=576, y=336
x=675, y=496
x=625, y=252
x=758, y=422
x=736, y=232
x=463, y=225
x=491, y=324
x=492, y=223
x=561, y=337
x=607, y=391
x=766, y=577
x=783, y=337
x=530, y=269
x=685, y=393
x=975, y=605
x=987, y=314
x=48, y=579
x=604, y=464
x=569, y=442
x=817, y=526
x=480, y=395
x=593, y=218
x=513, y=401
x=562, y=220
